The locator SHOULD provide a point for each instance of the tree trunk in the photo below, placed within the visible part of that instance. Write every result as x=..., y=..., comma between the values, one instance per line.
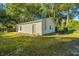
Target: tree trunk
x=54, y=13
x=67, y=21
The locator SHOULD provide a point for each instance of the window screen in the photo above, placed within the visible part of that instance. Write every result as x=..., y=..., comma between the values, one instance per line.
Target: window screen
x=50, y=27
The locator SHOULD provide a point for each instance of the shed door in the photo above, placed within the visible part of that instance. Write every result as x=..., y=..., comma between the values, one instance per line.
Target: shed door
x=33, y=28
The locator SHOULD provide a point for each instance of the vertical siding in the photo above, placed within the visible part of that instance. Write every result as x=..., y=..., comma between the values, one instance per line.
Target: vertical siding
x=40, y=27
x=48, y=22
x=18, y=28
x=27, y=28
x=43, y=27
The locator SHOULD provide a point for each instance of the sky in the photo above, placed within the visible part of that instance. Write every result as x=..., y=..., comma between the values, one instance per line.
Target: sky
x=76, y=18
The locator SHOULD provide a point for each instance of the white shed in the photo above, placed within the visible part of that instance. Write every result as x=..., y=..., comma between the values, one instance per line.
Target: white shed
x=37, y=27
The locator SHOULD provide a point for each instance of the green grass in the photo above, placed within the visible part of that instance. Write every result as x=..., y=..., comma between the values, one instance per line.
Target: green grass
x=33, y=46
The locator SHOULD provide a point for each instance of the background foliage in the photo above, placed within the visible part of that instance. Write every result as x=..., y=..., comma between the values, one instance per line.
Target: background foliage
x=62, y=14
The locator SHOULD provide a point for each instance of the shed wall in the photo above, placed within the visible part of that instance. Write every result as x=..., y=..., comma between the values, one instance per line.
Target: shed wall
x=47, y=23
x=27, y=28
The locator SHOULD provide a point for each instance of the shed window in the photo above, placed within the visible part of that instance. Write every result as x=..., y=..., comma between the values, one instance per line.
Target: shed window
x=20, y=28
x=50, y=27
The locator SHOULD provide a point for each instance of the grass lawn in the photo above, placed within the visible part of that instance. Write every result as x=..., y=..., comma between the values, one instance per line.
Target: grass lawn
x=13, y=44
x=73, y=35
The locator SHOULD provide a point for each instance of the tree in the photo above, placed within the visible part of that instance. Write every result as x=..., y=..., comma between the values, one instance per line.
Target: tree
x=66, y=7
x=18, y=13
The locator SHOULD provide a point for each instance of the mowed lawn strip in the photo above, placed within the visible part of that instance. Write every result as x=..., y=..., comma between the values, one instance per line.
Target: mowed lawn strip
x=64, y=35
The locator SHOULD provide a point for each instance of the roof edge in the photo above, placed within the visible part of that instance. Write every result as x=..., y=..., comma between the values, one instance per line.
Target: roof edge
x=40, y=20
